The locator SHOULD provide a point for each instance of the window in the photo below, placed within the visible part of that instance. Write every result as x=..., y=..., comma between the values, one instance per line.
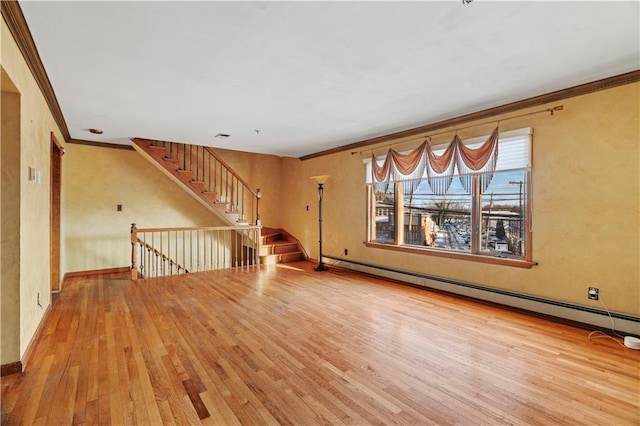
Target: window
x=384, y=217
x=480, y=215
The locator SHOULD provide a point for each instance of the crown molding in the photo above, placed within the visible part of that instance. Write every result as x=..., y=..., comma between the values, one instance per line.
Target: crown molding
x=12, y=14
x=100, y=144
x=583, y=89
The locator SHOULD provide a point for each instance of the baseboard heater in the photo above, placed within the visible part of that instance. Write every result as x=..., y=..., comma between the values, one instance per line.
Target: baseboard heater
x=628, y=324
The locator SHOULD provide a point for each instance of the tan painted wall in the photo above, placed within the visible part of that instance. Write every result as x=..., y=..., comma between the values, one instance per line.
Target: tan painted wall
x=96, y=180
x=585, y=209
x=10, y=213
x=36, y=125
x=263, y=172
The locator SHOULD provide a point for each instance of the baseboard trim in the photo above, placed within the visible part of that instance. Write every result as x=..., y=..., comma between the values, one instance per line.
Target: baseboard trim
x=96, y=272
x=11, y=368
x=625, y=323
x=28, y=353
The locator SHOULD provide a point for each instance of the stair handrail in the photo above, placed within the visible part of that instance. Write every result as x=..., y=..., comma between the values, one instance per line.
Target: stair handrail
x=233, y=172
x=163, y=256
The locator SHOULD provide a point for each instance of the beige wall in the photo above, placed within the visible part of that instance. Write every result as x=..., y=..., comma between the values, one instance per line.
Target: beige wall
x=96, y=180
x=36, y=125
x=585, y=209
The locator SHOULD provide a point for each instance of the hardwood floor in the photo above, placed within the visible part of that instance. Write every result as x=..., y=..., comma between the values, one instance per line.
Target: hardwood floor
x=289, y=345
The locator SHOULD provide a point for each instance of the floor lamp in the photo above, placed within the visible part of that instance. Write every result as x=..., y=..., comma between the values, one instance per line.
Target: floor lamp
x=320, y=180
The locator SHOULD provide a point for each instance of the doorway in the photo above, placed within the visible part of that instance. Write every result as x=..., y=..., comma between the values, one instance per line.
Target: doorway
x=56, y=186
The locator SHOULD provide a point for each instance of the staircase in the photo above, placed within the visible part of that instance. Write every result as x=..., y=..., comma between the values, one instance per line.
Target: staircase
x=278, y=246
x=202, y=173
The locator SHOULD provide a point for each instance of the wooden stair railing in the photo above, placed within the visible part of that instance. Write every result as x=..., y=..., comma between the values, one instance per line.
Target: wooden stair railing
x=157, y=252
x=161, y=261
x=206, y=174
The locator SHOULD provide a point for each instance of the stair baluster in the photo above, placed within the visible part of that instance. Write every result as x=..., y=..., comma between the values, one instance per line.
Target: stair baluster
x=159, y=252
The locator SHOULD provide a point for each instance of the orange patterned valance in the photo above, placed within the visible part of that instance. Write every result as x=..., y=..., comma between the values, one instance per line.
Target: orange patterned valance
x=439, y=169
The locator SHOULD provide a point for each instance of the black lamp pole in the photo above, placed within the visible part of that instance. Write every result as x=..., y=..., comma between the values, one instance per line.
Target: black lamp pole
x=320, y=180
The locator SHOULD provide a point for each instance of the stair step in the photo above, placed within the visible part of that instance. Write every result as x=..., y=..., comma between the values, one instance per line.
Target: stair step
x=171, y=160
x=272, y=259
x=157, y=148
x=184, y=171
x=199, y=183
x=211, y=195
x=291, y=257
x=271, y=238
x=278, y=247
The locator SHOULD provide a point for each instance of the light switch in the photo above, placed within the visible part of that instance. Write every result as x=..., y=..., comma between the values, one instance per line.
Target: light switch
x=34, y=175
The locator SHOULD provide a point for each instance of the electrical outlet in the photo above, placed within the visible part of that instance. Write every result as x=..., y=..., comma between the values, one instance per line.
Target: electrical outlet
x=346, y=252
x=593, y=293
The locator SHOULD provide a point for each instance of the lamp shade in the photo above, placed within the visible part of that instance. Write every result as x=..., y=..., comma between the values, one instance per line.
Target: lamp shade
x=320, y=179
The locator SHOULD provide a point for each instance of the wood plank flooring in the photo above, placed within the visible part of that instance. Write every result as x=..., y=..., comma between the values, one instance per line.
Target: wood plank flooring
x=287, y=345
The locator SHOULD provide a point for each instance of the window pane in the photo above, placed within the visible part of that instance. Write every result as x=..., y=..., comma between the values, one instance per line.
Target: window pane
x=384, y=213
x=503, y=208
x=438, y=221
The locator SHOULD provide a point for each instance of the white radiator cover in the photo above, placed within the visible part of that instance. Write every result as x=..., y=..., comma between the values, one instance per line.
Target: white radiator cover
x=622, y=322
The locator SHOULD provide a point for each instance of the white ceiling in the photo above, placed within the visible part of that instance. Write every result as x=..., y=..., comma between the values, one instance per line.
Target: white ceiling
x=312, y=76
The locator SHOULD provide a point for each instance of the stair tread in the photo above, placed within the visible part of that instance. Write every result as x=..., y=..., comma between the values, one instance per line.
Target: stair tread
x=295, y=254
x=280, y=243
x=270, y=238
x=279, y=255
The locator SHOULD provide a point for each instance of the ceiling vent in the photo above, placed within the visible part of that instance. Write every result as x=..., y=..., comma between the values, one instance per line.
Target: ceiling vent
x=222, y=136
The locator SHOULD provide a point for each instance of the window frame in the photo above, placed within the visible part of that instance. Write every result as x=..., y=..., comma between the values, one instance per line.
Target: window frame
x=398, y=245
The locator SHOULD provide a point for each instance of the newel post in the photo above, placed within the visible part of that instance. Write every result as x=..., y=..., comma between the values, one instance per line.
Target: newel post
x=134, y=257
x=258, y=196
